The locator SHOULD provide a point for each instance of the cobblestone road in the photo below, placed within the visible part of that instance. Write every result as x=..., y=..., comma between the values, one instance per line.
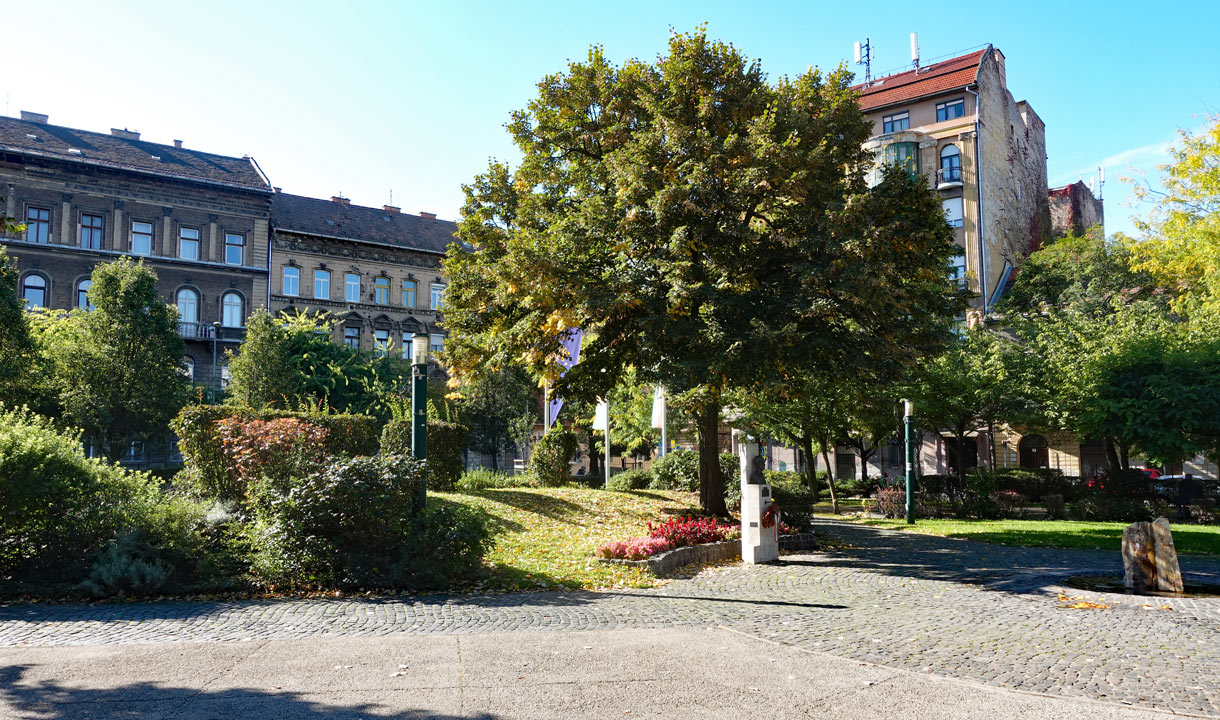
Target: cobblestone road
x=955, y=608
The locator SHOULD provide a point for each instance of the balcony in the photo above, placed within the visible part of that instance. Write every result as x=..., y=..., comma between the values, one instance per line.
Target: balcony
x=948, y=178
x=205, y=331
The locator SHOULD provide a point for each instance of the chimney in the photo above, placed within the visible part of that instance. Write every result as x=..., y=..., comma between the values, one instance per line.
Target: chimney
x=125, y=134
x=33, y=117
x=427, y=215
x=340, y=200
x=391, y=209
x=177, y=143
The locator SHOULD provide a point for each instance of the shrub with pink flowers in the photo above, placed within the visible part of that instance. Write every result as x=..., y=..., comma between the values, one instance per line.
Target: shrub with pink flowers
x=634, y=548
x=690, y=531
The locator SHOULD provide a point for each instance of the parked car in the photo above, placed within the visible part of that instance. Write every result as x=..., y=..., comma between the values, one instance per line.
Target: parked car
x=1152, y=473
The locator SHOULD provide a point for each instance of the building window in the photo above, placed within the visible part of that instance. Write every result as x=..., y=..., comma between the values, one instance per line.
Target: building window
x=904, y=154
x=950, y=164
x=953, y=211
x=38, y=225
x=34, y=291
x=436, y=343
x=134, y=451
x=408, y=293
x=896, y=122
x=188, y=306
x=321, y=284
x=351, y=337
x=381, y=342
x=141, y=238
x=91, y=231
x=224, y=377
x=381, y=290
x=188, y=243
x=231, y=310
x=438, y=295
x=188, y=368
x=351, y=287
x=291, y=284
x=406, y=345
x=957, y=270
x=82, y=294
x=950, y=110
x=235, y=246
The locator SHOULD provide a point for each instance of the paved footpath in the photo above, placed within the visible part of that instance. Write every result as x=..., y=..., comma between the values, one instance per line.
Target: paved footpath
x=983, y=614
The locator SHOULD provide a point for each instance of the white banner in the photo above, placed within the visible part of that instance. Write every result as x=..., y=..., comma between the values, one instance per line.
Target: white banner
x=601, y=417
x=658, y=407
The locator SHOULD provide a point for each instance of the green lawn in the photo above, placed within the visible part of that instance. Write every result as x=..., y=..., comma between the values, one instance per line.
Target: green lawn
x=545, y=537
x=1188, y=539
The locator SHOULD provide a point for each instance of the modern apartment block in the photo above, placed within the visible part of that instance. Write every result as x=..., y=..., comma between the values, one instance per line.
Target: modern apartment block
x=200, y=220
x=377, y=270
x=984, y=152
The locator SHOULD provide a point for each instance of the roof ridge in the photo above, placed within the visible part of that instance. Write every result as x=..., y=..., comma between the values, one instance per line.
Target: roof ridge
x=907, y=77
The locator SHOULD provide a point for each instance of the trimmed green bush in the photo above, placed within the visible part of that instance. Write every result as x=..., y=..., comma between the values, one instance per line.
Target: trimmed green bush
x=203, y=449
x=347, y=525
x=730, y=467
x=791, y=491
x=484, y=478
x=551, y=461
x=677, y=470
x=446, y=447
x=630, y=480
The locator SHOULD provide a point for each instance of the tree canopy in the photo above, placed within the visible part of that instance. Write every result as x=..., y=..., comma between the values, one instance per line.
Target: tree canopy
x=702, y=224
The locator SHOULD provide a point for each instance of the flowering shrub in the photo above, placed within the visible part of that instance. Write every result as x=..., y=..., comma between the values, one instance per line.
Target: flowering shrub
x=891, y=501
x=634, y=548
x=681, y=532
x=269, y=450
x=784, y=529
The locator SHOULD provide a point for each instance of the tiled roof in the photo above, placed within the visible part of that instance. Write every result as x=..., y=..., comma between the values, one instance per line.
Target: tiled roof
x=55, y=141
x=943, y=76
x=312, y=216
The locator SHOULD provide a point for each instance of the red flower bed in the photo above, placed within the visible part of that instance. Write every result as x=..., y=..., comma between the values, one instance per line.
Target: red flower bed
x=691, y=531
x=634, y=548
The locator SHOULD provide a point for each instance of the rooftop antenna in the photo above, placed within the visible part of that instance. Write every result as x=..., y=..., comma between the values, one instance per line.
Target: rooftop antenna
x=915, y=51
x=391, y=197
x=864, y=56
x=1101, y=172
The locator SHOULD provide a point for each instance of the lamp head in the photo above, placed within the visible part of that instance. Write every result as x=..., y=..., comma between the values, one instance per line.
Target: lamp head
x=419, y=349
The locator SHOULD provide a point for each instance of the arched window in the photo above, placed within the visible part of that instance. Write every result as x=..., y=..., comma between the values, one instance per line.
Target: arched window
x=188, y=306
x=34, y=290
x=231, y=310
x=950, y=164
x=82, y=294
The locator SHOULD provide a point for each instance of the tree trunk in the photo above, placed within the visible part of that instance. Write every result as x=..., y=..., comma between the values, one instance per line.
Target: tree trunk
x=961, y=464
x=991, y=442
x=830, y=480
x=1112, y=456
x=864, y=456
x=595, y=458
x=1124, y=454
x=711, y=481
x=811, y=466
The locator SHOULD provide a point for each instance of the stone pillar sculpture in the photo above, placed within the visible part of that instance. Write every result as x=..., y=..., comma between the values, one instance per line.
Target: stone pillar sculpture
x=1150, y=562
x=759, y=544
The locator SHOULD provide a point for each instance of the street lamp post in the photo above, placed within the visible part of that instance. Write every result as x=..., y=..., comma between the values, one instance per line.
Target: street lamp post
x=215, y=338
x=419, y=404
x=908, y=419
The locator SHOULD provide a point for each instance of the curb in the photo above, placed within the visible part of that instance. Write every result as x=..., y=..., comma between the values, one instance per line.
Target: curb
x=667, y=563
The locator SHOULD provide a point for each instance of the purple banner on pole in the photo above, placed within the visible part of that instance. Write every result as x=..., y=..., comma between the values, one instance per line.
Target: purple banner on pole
x=572, y=344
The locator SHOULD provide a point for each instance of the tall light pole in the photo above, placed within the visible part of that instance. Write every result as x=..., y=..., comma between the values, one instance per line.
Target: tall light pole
x=908, y=420
x=215, y=337
x=419, y=404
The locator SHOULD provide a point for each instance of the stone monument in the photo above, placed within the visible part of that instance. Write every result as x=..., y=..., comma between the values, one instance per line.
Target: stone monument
x=759, y=528
x=1150, y=562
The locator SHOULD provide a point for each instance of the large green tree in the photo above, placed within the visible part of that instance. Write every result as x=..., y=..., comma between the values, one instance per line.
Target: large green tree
x=16, y=348
x=118, y=366
x=702, y=224
x=497, y=407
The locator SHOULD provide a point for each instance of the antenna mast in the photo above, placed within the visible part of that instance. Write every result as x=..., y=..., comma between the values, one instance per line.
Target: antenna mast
x=864, y=56
x=915, y=51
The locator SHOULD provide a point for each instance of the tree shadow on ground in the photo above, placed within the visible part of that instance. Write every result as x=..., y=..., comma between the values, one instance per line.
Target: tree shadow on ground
x=1002, y=567
x=545, y=505
x=49, y=700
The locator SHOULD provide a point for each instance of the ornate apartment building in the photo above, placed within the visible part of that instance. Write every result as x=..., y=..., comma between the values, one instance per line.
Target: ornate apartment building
x=200, y=220
x=377, y=270
x=984, y=152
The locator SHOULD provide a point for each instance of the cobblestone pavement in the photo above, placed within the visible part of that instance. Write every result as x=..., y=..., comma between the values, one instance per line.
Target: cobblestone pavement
x=985, y=613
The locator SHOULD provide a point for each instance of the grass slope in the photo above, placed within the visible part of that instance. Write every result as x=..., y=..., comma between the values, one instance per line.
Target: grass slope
x=1187, y=539
x=545, y=537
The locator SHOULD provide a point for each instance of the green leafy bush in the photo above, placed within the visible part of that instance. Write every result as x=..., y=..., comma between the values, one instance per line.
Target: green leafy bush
x=396, y=437
x=203, y=450
x=637, y=479
x=484, y=478
x=730, y=467
x=552, y=458
x=446, y=449
x=790, y=490
x=347, y=525
x=1056, y=508
x=677, y=470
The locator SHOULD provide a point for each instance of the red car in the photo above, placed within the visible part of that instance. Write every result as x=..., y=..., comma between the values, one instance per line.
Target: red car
x=1152, y=473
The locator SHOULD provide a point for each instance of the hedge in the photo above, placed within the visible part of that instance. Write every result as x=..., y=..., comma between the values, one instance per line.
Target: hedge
x=203, y=451
x=446, y=447
x=552, y=457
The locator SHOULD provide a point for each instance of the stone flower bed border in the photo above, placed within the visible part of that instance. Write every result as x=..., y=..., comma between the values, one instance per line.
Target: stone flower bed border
x=667, y=563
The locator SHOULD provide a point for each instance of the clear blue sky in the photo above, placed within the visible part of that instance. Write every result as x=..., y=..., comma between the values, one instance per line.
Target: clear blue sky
x=367, y=97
